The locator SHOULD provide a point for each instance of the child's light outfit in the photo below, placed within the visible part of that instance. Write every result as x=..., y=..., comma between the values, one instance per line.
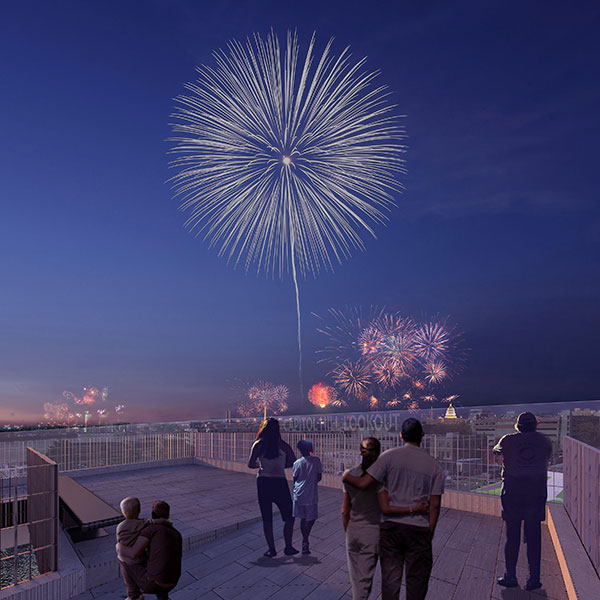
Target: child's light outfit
x=306, y=496
x=127, y=534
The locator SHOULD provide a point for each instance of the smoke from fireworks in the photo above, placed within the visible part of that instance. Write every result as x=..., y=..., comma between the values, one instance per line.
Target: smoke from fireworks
x=286, y=165
x=264, y=396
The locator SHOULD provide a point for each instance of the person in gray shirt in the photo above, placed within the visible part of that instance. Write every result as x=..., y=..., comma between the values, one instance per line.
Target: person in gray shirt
x=415, y=483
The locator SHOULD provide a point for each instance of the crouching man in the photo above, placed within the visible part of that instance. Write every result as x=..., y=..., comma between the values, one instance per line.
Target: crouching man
x=164, y=544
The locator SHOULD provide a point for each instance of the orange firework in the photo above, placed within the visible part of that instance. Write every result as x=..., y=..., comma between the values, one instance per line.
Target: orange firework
x=322, y=395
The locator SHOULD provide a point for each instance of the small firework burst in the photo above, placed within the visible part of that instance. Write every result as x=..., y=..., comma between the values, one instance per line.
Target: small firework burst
x=435, y=371
x=322, y=395
x=353, y=378
x=102, y=413
x=449, y=399
x=394, y=403
x=432, y=340
x=55, y=411
x=370, y=341
x=387, y=373
x=343, y=328
x=413, y=407
x=373, y=403
x=120, y=409
x=429, y=398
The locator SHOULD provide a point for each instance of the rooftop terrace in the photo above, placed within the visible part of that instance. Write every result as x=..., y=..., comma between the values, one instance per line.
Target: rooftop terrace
x=217, y=513
x=468, y=552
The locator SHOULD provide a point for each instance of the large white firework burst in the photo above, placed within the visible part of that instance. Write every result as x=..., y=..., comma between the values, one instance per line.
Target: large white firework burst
x=285, y=162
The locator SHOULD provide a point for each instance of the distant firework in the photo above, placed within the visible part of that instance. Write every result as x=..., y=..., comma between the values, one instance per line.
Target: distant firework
x=56, y=412
x=264, y=396
x=352, y=378
x=432, y=340
x=323, y=395
x=387, y=373
x=385, y=354
x=343, y=330
x=67, y=411
x=450, y=398
x=435, y=371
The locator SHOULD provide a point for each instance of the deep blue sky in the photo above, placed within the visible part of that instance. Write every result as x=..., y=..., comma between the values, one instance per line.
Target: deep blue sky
x=499, y=226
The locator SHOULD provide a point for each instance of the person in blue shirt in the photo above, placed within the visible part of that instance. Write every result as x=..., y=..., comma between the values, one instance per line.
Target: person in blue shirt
x=307, y=474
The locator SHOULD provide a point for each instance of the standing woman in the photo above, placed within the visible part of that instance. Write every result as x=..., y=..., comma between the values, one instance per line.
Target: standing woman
x=271, y=455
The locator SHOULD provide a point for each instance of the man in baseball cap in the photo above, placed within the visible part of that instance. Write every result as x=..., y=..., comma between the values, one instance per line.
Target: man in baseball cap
x=525, y=456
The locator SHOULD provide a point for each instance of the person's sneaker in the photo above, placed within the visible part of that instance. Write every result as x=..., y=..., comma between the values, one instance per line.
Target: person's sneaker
x=305, y=548
x=270, y=553
x=507, y=581
x=290, y=551
x=533, y=585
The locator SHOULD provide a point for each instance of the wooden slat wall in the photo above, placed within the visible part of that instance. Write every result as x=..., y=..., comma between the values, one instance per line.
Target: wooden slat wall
x=42, y=494
x=581, y=473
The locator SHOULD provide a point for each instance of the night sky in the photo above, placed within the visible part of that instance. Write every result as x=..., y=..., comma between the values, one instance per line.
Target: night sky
x=498, y=227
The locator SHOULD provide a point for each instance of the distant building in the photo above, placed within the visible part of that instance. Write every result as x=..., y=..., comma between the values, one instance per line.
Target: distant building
x=496, y=427
x=450, y=412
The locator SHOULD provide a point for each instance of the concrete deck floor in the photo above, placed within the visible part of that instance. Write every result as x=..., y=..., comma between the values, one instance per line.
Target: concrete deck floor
x=468, y=547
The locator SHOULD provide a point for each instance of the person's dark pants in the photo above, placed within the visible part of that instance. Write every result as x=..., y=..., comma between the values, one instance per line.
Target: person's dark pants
x=404, y=545
x=274, y=490
x=136, y=576
x=516, y=510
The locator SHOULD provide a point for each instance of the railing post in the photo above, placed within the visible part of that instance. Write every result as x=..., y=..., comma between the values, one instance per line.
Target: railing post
x=16, y=532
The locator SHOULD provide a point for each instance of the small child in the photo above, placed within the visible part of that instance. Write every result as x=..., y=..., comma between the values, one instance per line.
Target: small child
x=307, y=474
x=127, y=534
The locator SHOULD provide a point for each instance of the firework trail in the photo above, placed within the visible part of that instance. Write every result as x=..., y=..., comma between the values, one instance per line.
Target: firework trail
x=284, y=164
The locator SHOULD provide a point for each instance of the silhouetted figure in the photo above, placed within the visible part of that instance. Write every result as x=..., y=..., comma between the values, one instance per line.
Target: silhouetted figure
x=271, y=455
x=361, y=516
x=524, y=491
x=415, y=483
x=307, y=474
x=164, y=545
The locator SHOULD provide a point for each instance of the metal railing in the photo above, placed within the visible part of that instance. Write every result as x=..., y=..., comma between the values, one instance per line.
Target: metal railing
x=100, y=451
x=29, y=520
x=467, y=460
x=582, y=494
